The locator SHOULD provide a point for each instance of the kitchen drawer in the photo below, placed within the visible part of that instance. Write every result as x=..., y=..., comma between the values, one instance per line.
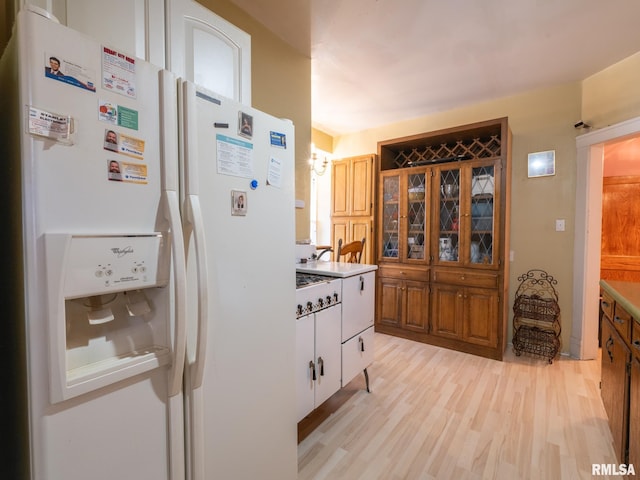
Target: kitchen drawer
x=606, y=304
x=357, y=354
x=622, y=321
x=635, y=338
x=465, y=278
x=404, y=273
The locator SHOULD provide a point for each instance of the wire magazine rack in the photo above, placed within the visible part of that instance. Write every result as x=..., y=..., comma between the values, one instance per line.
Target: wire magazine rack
x=536, y=316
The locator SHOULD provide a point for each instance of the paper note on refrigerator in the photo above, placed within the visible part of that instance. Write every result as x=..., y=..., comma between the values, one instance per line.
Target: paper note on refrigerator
x=234, y=156
x=274, y=175
x=50, y=125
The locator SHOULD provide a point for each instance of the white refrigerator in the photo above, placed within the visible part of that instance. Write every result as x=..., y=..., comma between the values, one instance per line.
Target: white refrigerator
x=149, y=234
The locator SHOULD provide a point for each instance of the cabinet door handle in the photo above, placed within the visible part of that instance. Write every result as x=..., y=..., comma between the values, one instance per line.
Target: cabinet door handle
x=362, y=284
x=607, y=345
x=321, y=365
x=605, y=304
x=361, y=341
x=312, y=367
x=619, y=320
x=636, y=344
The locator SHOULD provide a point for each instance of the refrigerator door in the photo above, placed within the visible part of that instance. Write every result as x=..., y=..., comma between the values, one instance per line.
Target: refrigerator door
x=238, y=173
x=99, y=234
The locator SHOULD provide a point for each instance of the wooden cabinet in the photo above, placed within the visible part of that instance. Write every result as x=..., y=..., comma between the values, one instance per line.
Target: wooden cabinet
x=620, y=368
x=404, y=216
x=634, y=412
x=442, y=207
x=616, y=357
x=352, y=182
x=402, y=301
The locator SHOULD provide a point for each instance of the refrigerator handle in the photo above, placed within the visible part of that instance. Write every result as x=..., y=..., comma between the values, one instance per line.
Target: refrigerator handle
x=180, y=286
x=194, y=217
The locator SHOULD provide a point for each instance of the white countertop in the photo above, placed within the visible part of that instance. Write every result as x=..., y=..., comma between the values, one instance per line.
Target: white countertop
x=335, y=269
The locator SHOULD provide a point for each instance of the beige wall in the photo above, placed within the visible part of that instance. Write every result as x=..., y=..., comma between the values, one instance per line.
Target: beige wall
x=539, y=120
x=612, y=95
x=280, y=86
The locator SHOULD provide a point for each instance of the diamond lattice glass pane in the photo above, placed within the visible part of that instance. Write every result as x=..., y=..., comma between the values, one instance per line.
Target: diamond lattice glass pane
x=390, y=227
x=449, y=214
x=482, y=224
x=416, y=207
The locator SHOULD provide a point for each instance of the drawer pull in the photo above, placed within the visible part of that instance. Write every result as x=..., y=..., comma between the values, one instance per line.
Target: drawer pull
x=619, y=320
x=607, y=345
x=605, y=304
x=636, y=344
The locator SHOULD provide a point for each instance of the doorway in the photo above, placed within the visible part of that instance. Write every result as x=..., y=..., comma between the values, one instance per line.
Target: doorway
x=588, y=230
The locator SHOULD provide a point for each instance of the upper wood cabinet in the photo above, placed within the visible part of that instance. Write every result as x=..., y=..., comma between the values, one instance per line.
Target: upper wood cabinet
x=352, y=181
x=352, y=186
x=443, y=202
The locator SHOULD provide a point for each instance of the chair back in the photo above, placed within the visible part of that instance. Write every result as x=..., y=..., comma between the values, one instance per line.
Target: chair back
x=351, y=251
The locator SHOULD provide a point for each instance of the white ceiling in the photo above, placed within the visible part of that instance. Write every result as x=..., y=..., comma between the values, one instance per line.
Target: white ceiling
x=376, y=62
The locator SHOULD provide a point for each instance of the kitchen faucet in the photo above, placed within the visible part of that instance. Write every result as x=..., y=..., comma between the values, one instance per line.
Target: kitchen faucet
x=317, y=257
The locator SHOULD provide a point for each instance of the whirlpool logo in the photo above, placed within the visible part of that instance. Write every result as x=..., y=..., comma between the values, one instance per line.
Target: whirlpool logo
x=121, y=252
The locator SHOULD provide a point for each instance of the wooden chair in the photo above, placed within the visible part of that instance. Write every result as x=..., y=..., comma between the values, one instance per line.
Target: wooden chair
x=353, y=250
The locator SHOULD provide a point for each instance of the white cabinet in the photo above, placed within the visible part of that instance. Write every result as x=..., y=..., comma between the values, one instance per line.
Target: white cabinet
x=358, y=302
x=358, y=315
x=318, y=359
x=191, y=41
x=357, y=355
x=133, y=26
x=209, y=51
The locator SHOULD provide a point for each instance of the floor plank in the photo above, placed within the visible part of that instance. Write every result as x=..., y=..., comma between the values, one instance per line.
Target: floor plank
x=435, y=413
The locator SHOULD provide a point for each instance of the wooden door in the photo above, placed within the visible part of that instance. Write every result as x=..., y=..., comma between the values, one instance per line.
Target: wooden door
x=615, y=386
x=389, y=298
x=359, y=228
x=416, y=316
x=620, y=250
x=361, y=185
x=480, y=317
x=634, y=413
x=446, y=312
x=340, y=188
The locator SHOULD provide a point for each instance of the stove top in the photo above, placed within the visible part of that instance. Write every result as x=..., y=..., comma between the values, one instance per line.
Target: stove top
x=307, y=279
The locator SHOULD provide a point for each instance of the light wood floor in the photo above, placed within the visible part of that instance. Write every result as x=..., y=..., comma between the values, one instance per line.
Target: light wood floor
x=435, y=413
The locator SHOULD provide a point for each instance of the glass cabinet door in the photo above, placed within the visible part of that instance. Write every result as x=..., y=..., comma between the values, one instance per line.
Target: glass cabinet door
x=481, y=246
x=390, y=215
x=449, y=224
x=416, y=217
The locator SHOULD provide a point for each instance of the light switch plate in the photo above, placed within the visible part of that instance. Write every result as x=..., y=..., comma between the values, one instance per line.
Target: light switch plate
x=560, y=225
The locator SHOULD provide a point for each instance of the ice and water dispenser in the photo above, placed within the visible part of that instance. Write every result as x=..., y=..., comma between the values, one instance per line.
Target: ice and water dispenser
x=109, y=309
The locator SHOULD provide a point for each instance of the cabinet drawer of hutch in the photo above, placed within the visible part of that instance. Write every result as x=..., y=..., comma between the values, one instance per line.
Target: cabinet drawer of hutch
x=606, y=304
x=635, y=338
x=622, y=321
x=466, y=278
x=419, y=274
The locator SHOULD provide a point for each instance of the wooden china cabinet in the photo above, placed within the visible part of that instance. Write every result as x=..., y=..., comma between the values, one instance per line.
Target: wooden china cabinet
x=443, y=237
